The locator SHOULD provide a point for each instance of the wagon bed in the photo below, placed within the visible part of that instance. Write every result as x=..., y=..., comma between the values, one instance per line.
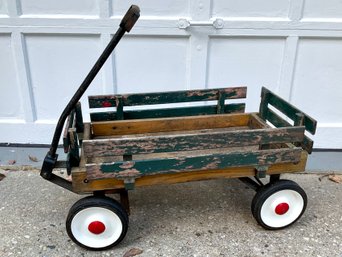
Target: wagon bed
x=123, y=150
x=206, y=136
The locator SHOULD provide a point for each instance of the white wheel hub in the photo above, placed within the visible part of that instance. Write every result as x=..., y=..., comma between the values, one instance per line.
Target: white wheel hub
x=282, y=208
x=96, y=227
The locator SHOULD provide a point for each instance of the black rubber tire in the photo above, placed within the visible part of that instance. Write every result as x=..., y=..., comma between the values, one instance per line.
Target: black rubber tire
x=103, y=202
x=266, y=191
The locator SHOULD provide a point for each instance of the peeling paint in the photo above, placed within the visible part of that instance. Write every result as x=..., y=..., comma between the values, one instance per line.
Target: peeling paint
x=127, y=165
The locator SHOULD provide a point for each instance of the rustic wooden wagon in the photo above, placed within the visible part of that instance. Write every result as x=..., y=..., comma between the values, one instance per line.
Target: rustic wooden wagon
x=125, y=147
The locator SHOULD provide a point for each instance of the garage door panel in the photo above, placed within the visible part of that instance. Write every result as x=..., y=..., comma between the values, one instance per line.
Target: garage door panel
x=246, y=8
x=163, y=8
x=10, y=100
x=246, y=61
x=322, y=9
x=151, y=63
x=317, y=79
x=58, y=65
x=3, y=7
x=64, y=7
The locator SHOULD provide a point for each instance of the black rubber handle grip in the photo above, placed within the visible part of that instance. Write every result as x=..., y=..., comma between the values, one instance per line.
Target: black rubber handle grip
x=130, y=18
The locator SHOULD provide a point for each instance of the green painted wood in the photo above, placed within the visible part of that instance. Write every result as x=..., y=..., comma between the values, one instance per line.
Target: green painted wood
x=100, y=101
x=264, y=104
x=183, y=96
x=79, y=118
x=167, y=97
x=220, y=102
x=139, y=168
x=290, y=110
x=169, y=112
x=73, y=158
x=119, y=108
x=200, y=140
x=278, y=122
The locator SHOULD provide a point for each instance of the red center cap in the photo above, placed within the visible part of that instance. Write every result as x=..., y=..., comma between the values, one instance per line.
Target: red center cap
x=96, y=227
x=282, y=208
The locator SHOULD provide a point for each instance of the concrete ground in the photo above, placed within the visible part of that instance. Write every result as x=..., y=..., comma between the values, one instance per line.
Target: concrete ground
x=210, y=218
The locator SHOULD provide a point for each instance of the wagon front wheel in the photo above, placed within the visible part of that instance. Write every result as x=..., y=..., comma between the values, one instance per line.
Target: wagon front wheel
x=279, y=204
x=97, y=223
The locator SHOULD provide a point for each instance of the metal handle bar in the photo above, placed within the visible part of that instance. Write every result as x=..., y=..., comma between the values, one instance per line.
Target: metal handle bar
x=126, y=25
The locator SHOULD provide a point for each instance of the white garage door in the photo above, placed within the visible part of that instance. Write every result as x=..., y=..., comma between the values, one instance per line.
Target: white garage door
x=293, y=47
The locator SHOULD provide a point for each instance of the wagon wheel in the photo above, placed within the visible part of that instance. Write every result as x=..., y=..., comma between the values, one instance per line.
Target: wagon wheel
x=279, y=204
x=97, y=223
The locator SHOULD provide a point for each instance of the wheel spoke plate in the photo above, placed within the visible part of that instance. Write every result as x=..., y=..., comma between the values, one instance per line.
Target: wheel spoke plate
x=282, y=208
x=96, y=227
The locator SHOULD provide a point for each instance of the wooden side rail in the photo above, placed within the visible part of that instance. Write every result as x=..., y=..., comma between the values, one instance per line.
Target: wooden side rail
x=81, y=184
x=130, y=170
x=121, y=101
x=156, y=125
x=190, y=141
x=298, y=117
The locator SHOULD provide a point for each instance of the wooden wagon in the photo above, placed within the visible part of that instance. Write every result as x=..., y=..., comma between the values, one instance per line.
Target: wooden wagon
x=136, y=140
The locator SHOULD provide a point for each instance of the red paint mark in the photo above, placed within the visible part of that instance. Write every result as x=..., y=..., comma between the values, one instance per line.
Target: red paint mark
x=106, y=104
x=96, y=227
x=282, y=208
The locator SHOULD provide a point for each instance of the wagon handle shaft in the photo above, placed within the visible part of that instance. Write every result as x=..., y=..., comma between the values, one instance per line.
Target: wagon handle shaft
x=126, y=25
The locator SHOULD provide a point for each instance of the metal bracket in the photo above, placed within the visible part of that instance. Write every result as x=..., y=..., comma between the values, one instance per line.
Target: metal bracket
x=49, y=164
x=261, y=171
x=129, y=183
x=184, y=23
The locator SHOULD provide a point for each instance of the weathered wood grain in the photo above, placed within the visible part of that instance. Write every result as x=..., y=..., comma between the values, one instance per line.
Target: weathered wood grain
x=108, y=128
x=167, y=112
x=195, y=140
x=67, y=126
x=79, y=118
x=140, y=168
x=167, y=97
x=278, y=122
x=256, y=122
x=82, y=185
x=288, y=109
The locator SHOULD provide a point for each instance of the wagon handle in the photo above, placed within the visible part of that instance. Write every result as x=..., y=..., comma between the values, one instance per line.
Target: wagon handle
x=130, y=18
x=126, y=25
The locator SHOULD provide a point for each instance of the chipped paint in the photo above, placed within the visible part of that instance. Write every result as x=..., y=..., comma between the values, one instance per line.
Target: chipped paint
x=192, y=163
x=212, y=139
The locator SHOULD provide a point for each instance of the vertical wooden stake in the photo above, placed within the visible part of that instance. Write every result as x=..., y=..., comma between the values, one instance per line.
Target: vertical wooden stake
x=119, y=107
x=220, y=101
x=263, y=109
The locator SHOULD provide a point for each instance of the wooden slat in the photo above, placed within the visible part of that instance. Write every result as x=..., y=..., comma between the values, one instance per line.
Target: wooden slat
x=79, y=176
x=68, y=124
x=196, y=140
x=278, y=122
x=66, y=139
x=119, y=108
x=168, y=112
x=167, y=97
x=290, y=110
x=108, y=128
x=140, y=168
x=256, y=122
x=79, y=118
x=221, y=101
x=87, y=131
x=263, y=108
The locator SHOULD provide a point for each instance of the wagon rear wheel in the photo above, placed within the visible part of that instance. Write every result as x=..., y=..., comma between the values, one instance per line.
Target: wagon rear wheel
x=278, y=205
x=97, y=223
